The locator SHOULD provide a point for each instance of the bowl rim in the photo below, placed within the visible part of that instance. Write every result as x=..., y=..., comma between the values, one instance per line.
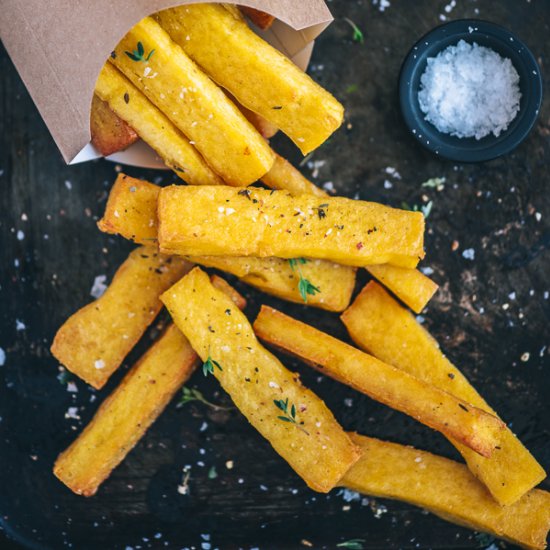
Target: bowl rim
x=466, y=154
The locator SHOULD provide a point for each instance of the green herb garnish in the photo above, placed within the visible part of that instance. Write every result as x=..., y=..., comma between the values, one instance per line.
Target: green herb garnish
x=357, y=33
x=352, y=88
x=64, y=377
x=305, y=287
x=191, y=394
x=289, y=416
x=138, y=54
x=437, y=183
x=352, y=544
x=208, y=366
x=425, y=208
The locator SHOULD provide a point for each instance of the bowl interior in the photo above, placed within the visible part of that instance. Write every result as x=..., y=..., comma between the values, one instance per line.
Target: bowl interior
x=505, y=44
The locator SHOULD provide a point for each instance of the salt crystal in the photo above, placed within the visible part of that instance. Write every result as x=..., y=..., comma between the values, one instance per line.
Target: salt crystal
x=99, y=286
x=469, y=90
x=2, y=357
x=469, y=254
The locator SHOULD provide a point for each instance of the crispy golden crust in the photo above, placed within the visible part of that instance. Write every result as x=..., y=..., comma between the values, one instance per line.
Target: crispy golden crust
x=154, y=127
x=132, y=212
x=223, y=221
x=94, y=341
x=378, y=324
x=110, y=133
x=393, y=387
x=259, y=76
x=448, y=489
x=124, y=417
x=195, y=105
x=310, y=440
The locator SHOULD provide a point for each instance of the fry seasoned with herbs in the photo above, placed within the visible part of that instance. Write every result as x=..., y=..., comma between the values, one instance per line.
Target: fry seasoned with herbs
x=154, y=127
x=94, y=341
x=222, y=221
x=124, y=417
x=293, y=419
x=437, y=409
x=447, y=489
x=378, y=324
x=110, y=133
x=197, y=107
x=132, y=212
x=259, y=76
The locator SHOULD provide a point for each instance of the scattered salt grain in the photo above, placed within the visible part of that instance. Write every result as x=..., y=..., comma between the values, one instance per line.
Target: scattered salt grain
x=469, y=90
x=19, y=325
x=71, y=387
x=469, y=254
x=390, y=170
x=72, y=412
x=2, y=357
x=68, y=185
x=20, y=235
x=328, y=186
x=99, y=364
x=99, y=286
x=525, y=357
x=382, y=4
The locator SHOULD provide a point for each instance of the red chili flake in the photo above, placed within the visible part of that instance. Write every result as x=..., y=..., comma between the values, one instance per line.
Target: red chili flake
x=359, y=246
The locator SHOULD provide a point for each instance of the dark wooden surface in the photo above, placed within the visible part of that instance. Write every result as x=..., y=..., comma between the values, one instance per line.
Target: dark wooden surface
x=491, y=317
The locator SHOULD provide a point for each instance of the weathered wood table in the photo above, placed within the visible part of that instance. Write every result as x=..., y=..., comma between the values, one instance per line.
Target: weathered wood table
x=487, y=243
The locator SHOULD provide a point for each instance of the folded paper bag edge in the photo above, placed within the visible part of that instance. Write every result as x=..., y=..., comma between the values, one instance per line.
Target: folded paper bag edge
x=59, y=46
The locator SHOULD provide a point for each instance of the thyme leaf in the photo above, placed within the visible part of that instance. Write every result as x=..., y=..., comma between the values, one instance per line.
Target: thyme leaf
x=290, y=417
x=139, y=52
x=357, y=33
x=208, y=366
x=305, y=287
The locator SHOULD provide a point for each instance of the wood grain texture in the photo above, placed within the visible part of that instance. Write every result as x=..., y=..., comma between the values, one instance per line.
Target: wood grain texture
x=490, y=208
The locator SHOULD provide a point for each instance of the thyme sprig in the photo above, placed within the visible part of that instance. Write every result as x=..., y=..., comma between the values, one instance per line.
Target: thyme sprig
x=305, y=287
x=357, y=33
x=208, y=366
x=289, y=416
x=192, y=394
x=352, y=544
x=139, y=53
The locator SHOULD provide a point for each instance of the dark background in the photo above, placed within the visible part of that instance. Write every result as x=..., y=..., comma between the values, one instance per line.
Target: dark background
x=491, y=316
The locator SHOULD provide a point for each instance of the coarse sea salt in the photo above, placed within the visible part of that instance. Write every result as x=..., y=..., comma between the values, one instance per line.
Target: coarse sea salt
x=469, y=90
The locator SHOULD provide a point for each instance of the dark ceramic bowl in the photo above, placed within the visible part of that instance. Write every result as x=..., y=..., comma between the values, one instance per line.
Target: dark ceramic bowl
x=504, y=43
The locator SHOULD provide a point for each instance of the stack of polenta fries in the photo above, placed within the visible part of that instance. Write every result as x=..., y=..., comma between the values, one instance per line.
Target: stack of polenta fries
x=205, y=92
